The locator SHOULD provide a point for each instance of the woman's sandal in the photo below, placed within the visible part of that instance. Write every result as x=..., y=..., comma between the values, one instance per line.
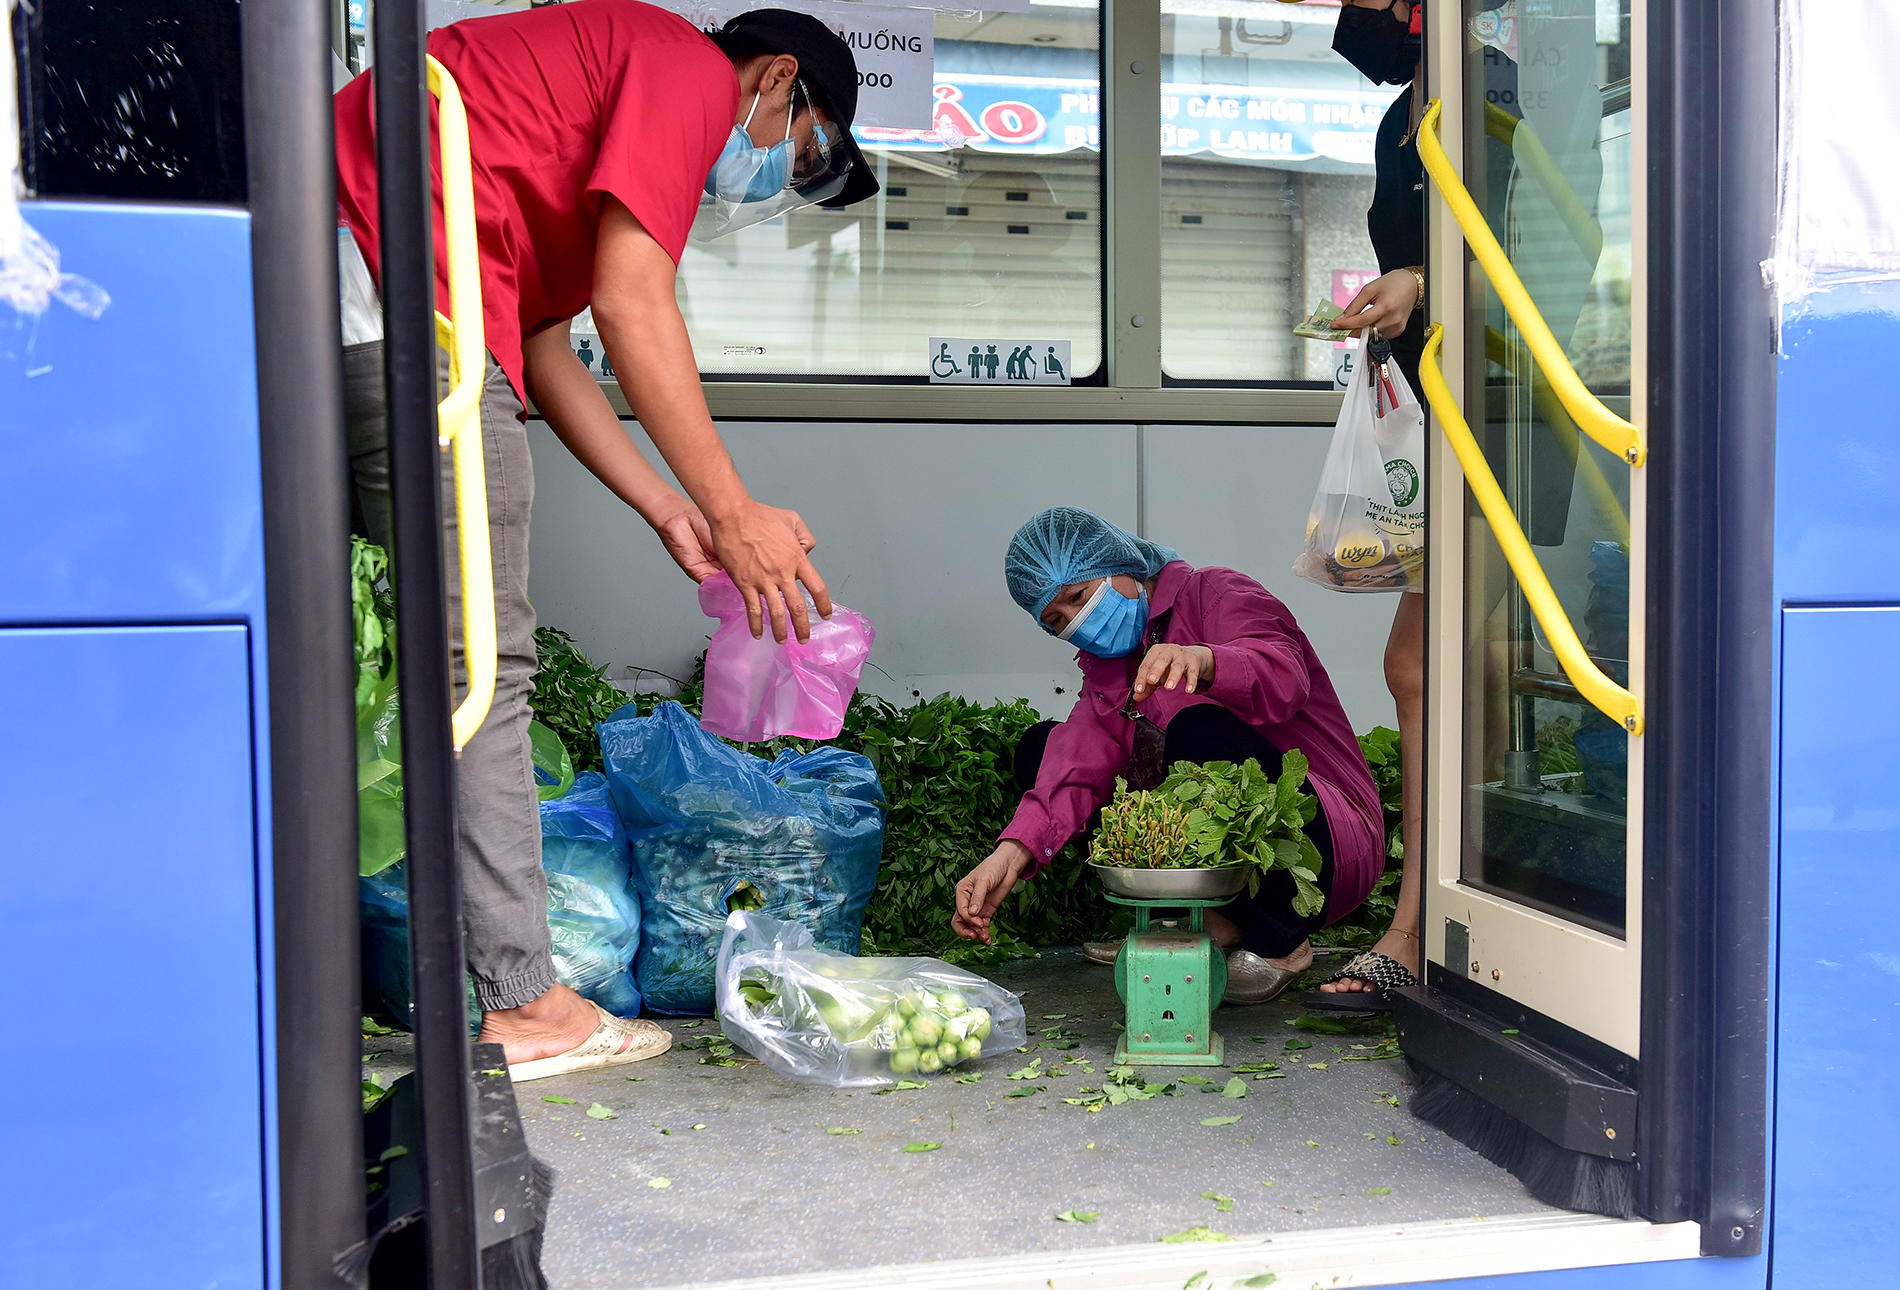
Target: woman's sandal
x=1382, y=971
x=615, y=1040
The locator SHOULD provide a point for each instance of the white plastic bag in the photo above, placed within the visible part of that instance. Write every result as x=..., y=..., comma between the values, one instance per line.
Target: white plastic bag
x=825, y=1018
x=1366, y=531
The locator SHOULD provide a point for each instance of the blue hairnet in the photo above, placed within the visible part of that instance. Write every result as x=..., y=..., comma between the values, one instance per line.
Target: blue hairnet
x=1066, y=544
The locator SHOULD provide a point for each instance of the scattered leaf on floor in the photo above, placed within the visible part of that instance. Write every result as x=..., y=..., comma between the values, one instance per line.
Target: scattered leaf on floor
x=1316, y=1066
x=691, y=1025
x=1078, y=1215
x=1294, y=1045
x=1055, y=1016
x=1321, y=1025
x=1392, y=1139
x=1062, y=1044
x=637, y=1079
x=1025, y=1048
x=1378, y=1191
x=1215, y=1121
x=971, y=1078
x=659, y=1184
x=1511, y=1031
x=839, y=1131
x=558, y=1100
x=1028, y=1090
x=1194, y=1281
x=1236, y=1087
x=1249, y=1138
x=1031, y=1071
x=699, y=1126
x=492, y=1072
x=912, y=1148
x=1195, y=1233
x=1268, y=1182
x=373, y=1028
x=1259, y=1282
x=599, y=1112
x=1313, y=1144
x=1192, y=1079
x=1254, y=1068
x=1225, y=1204
x=910, y=1083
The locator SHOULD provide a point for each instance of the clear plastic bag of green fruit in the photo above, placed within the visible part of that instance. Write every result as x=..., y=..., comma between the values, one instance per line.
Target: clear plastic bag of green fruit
x=822, y=1017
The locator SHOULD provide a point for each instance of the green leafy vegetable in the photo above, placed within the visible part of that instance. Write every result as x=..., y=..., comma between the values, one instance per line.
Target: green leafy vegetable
x=1193, y=1234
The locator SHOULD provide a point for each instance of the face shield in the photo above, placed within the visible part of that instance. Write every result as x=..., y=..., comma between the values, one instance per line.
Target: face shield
x=750, y=184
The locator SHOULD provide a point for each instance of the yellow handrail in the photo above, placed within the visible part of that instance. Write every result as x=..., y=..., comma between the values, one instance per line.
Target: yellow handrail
x=1595, y=420
x=459, y=414
x=1615, y=702
x=1504, y=352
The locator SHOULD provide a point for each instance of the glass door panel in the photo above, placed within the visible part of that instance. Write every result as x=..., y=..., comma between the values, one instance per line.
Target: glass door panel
x=1547, y=131
x=1537, y=899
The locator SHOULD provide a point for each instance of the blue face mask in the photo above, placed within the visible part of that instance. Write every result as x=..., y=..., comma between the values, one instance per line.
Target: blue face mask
x=746, y=172
x=1110, y=625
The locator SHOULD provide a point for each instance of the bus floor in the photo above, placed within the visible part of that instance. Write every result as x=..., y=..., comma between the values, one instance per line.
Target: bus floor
x=764, y=1177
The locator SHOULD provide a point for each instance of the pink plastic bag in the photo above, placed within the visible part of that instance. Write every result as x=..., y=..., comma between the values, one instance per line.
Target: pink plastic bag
x=756, y=689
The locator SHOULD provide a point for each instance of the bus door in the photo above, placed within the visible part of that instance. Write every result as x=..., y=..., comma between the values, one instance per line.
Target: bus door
x=1534, y=835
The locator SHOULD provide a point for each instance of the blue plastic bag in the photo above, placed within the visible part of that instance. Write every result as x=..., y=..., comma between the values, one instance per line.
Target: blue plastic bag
x=593, y=917
x=714, y=829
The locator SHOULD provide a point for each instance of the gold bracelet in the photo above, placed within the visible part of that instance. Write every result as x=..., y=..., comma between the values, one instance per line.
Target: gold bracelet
x=1418, y=273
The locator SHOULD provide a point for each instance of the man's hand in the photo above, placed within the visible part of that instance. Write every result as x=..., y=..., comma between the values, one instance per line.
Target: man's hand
x=984, y=887
x=1167, y=666
x=763, y=549
x=688, y=539
x=1386, y=302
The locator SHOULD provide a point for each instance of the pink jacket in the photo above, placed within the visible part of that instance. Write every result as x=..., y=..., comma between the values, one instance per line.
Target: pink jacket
x=1265, y=673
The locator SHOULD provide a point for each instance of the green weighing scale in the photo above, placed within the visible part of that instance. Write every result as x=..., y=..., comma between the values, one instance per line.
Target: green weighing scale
x=1170, y=978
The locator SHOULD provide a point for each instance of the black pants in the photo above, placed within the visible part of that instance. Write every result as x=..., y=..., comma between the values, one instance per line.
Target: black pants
x=1208, y=732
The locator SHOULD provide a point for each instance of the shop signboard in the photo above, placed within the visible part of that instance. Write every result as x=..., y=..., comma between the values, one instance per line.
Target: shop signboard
x=1046, y=114
x=894, y=48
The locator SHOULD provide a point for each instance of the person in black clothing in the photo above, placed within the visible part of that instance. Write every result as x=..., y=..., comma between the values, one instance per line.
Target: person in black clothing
x=1383, y=40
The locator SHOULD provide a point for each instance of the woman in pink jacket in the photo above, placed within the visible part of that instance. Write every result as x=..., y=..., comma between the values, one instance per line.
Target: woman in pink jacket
x=1197, y=665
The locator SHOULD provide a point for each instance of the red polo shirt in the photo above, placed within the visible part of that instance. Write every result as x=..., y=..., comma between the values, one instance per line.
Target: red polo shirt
x=565, y=103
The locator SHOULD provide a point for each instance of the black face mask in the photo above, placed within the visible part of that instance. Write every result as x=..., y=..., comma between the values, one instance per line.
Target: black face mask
x=1378, y=44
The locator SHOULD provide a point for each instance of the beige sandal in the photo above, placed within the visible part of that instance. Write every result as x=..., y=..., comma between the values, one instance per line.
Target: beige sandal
x=615, y=1040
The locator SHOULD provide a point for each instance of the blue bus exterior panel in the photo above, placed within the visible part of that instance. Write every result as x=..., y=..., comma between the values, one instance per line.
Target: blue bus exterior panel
x=1838, y=1133
x=128, y=442
x=134, y=1085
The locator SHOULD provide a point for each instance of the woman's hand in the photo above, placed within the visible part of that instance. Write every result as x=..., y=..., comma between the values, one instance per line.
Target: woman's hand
x=1167, y=666
x=688, y=539
x=1386, y=302
x=984, y=887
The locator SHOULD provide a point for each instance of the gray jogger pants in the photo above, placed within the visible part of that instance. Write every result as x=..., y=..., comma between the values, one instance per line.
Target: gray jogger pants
x=504, y=892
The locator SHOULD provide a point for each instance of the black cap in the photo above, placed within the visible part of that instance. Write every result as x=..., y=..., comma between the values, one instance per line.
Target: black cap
x=826, y=65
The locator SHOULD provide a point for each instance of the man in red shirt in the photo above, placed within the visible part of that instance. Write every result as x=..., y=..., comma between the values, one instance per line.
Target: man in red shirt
x=598, y=131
